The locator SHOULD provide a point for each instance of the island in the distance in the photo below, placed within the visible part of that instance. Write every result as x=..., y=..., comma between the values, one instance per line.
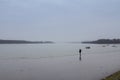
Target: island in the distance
x=24, y=42
x=104, y=41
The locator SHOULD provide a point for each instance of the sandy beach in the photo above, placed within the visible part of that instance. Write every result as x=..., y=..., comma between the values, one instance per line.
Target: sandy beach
x=91, y=67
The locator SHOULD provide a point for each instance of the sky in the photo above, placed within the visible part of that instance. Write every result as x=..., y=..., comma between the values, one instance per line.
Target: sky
x=59, y=20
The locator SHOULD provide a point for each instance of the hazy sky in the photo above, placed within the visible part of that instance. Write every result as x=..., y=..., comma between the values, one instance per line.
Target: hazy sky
x=59, y=20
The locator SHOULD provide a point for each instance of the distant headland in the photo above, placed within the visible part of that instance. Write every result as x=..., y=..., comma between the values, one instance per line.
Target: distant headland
x=24, y=42
x=104, y=41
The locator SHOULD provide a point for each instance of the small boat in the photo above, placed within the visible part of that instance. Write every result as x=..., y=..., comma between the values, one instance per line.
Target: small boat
x=87, y=47
x=114, y=46
x=103, y=46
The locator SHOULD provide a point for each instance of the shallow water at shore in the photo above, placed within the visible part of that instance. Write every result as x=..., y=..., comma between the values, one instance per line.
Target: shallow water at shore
x=57, y=62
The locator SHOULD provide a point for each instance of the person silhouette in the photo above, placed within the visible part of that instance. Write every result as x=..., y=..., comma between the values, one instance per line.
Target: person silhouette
x=80, y=54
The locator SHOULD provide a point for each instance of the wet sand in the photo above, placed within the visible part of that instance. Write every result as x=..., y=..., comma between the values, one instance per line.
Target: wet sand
x=91, y=67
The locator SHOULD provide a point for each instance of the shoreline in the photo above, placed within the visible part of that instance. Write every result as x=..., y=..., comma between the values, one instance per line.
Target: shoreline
x=114, y=76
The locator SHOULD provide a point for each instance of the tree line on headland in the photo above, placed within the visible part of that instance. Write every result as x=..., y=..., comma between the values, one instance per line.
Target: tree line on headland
x=23, y=42
x=104, y=41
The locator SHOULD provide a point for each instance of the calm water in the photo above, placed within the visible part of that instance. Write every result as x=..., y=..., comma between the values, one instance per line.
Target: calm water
x=57, y=61
x=37, y=51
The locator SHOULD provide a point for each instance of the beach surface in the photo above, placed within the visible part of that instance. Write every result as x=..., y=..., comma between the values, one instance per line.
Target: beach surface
x=90, y=67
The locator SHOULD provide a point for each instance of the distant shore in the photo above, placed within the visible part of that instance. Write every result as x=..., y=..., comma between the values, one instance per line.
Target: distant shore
x=104, y=41
x=24, y=42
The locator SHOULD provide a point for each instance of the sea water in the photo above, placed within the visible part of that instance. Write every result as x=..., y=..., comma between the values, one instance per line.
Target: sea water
x=38, y=51
x=57, y=61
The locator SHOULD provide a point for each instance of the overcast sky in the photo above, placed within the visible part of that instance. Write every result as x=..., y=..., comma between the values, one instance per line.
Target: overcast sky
x=59, y=20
